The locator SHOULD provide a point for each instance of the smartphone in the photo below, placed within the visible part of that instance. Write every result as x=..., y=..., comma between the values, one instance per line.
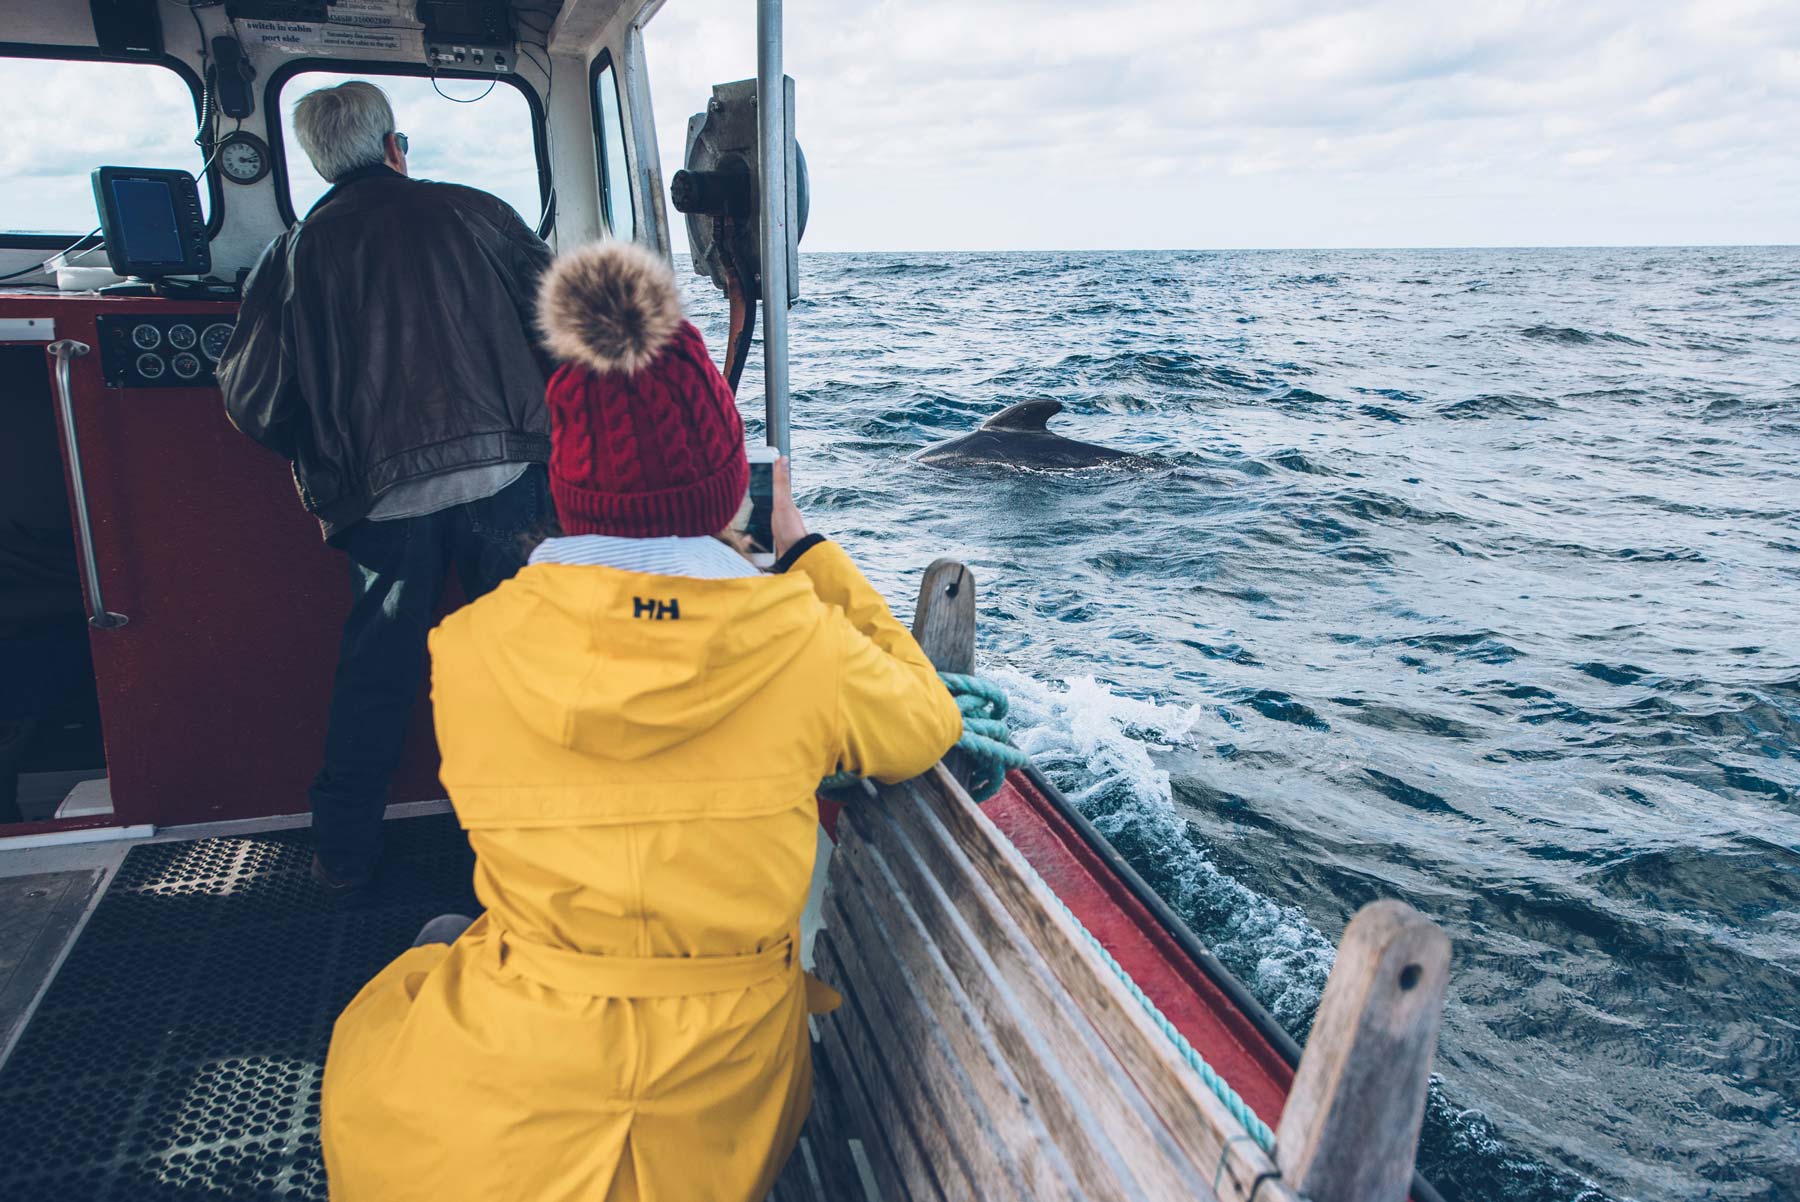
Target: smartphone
x=762, y=505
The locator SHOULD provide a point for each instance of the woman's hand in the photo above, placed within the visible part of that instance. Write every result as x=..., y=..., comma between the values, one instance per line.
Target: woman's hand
x=785, y=521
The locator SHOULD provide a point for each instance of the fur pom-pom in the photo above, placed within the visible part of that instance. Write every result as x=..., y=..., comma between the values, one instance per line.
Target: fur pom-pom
x=612, y=306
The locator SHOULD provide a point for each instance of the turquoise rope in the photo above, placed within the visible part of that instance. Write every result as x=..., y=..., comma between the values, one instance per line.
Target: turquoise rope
x=984, y=738
x=1209, y=1076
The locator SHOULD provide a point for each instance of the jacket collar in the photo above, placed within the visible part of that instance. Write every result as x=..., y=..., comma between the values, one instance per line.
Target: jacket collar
x=356, y=176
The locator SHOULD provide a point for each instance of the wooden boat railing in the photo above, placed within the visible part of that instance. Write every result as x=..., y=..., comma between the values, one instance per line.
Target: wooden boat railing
x=987, y=1050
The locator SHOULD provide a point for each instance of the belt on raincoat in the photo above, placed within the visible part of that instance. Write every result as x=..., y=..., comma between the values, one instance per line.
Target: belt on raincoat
x=569, y=971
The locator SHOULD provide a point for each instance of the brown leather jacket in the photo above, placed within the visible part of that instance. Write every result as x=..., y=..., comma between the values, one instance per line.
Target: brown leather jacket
x=390, y=336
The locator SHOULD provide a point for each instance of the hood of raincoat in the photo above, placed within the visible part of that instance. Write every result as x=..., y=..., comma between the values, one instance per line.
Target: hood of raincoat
x=626, y=665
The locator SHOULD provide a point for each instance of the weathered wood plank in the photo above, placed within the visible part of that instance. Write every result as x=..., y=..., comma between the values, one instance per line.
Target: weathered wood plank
x=892, y=1145
x=794, y=1184
x=936, y=810
x=830, y=1127
x=949, y=1132
x=1114, y=1143
x=1001, y=1133
x=1351, y=1127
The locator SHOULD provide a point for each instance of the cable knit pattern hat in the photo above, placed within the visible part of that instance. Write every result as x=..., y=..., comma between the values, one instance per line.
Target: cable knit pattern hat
x=645, y=435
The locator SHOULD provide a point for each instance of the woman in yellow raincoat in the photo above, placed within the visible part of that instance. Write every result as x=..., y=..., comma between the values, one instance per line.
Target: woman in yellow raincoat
x=632, y=730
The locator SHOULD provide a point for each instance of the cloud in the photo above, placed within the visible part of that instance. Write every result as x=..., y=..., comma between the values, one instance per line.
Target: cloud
x=69, y=118
x=460, y=132
x=1014, y=122
x=1051, y=123
x=85, y=114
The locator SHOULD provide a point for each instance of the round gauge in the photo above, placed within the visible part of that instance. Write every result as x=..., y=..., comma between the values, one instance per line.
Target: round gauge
x=186, y=365
x=150, y=366
x=146, y=337
x=182, y=336
x=243, y=157
x=213, y=339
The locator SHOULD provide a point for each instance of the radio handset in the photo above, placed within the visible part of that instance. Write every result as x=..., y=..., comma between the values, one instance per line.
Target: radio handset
x=230, y=78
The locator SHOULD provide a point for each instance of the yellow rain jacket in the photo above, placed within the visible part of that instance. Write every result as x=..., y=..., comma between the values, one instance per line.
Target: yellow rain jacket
x=634, y=758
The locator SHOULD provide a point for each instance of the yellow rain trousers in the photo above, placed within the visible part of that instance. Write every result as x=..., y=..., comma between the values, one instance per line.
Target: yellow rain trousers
x=634, y=758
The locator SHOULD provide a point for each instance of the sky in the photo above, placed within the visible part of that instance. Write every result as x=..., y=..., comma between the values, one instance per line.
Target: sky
x=1047, y=124
x=77, y=122
x=1044, y=124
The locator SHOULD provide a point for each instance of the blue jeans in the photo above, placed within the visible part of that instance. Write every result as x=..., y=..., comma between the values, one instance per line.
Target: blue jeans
x=398, y=570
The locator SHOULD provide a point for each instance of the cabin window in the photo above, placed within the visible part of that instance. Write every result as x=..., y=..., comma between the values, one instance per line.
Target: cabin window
x=459, y=131
x=64, y=119
x=615, y=170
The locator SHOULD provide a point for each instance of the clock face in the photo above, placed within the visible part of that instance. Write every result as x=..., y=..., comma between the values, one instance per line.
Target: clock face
x=243, y=158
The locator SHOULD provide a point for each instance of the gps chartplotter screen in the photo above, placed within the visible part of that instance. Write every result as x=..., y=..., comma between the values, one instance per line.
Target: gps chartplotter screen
x=151, y=220
x=147, y=221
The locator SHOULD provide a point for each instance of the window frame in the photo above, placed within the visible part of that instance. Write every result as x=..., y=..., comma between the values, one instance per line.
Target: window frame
x=374, y=67
x=604, y=62
x=215, y=216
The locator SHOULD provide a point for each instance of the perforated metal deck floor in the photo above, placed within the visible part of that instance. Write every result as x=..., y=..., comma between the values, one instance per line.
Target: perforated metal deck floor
x=177, y=1053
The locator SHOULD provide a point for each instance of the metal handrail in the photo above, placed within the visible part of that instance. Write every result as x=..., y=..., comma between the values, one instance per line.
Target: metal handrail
x=99, y=617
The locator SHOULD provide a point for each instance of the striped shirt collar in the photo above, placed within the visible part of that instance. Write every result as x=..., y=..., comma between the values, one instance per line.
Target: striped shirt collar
x=702, y=558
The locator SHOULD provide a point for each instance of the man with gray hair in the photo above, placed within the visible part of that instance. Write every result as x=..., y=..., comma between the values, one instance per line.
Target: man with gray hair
x=386, y=348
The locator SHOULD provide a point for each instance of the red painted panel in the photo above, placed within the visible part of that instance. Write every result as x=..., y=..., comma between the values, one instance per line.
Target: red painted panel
x=55, y=826
x=1126, y=928
x=213, y=698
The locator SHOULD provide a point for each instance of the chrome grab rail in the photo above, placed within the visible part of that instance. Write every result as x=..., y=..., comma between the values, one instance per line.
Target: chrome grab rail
x=99, y=617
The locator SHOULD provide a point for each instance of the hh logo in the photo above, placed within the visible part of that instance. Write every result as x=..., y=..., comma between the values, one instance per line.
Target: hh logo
x=656, y=611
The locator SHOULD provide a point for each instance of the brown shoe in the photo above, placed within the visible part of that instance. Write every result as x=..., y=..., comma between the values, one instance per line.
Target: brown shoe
x=341, y=892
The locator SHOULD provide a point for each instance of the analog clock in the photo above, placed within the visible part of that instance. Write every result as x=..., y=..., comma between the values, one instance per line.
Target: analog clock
x=243, y=158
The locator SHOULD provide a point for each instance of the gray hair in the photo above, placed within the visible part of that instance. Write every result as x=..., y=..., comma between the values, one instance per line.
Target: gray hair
x=344, y=128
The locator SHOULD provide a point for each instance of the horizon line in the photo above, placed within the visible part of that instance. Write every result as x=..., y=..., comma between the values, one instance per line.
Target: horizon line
x=1116, y=250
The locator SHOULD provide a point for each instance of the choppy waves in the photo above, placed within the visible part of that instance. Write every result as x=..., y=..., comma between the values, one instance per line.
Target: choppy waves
x=1465, y=577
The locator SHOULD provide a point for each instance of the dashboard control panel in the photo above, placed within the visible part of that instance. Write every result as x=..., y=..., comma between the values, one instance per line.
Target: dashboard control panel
x=162, y=350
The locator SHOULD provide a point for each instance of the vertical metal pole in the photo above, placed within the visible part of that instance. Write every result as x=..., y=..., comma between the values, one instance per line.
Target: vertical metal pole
x=772, y=166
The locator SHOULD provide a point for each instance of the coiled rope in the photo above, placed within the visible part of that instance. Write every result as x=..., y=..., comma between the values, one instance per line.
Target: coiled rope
x=984, y=740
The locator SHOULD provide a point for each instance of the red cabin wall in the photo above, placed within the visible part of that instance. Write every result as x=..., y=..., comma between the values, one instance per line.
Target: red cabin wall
x=213, y=697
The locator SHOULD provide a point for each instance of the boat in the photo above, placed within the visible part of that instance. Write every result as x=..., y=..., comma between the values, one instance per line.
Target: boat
x=1024, y=1017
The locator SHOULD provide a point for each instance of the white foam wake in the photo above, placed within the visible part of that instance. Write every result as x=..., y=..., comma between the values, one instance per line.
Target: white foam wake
x=1097, y=746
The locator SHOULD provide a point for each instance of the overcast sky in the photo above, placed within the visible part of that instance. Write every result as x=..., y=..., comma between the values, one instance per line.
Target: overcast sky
x=976, y=124
x=1010, y=124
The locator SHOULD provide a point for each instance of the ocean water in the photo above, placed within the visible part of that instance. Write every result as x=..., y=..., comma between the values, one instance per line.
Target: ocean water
x=1466, y=577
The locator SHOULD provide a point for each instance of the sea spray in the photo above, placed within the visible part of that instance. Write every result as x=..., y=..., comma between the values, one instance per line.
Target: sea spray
x=1095, y=744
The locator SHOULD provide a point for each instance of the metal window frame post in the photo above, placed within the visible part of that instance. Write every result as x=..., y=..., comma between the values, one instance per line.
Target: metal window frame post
x=772, y=168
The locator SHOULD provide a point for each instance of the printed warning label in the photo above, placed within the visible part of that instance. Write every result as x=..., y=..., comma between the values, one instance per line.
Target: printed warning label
x=396, y=13
x=300, y=37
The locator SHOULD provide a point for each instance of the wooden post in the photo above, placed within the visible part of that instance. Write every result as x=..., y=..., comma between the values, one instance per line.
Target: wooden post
x=944, y=625
x=1350, y=1130
x=944, y=622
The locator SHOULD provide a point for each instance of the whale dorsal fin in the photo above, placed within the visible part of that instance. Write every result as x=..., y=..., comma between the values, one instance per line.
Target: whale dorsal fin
x=1026, y=415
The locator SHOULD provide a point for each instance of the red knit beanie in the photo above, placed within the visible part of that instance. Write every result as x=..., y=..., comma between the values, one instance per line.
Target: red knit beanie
x=645, y=437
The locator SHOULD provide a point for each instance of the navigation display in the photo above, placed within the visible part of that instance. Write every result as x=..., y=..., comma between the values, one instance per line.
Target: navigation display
x=151, y=220
x=147, y=216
